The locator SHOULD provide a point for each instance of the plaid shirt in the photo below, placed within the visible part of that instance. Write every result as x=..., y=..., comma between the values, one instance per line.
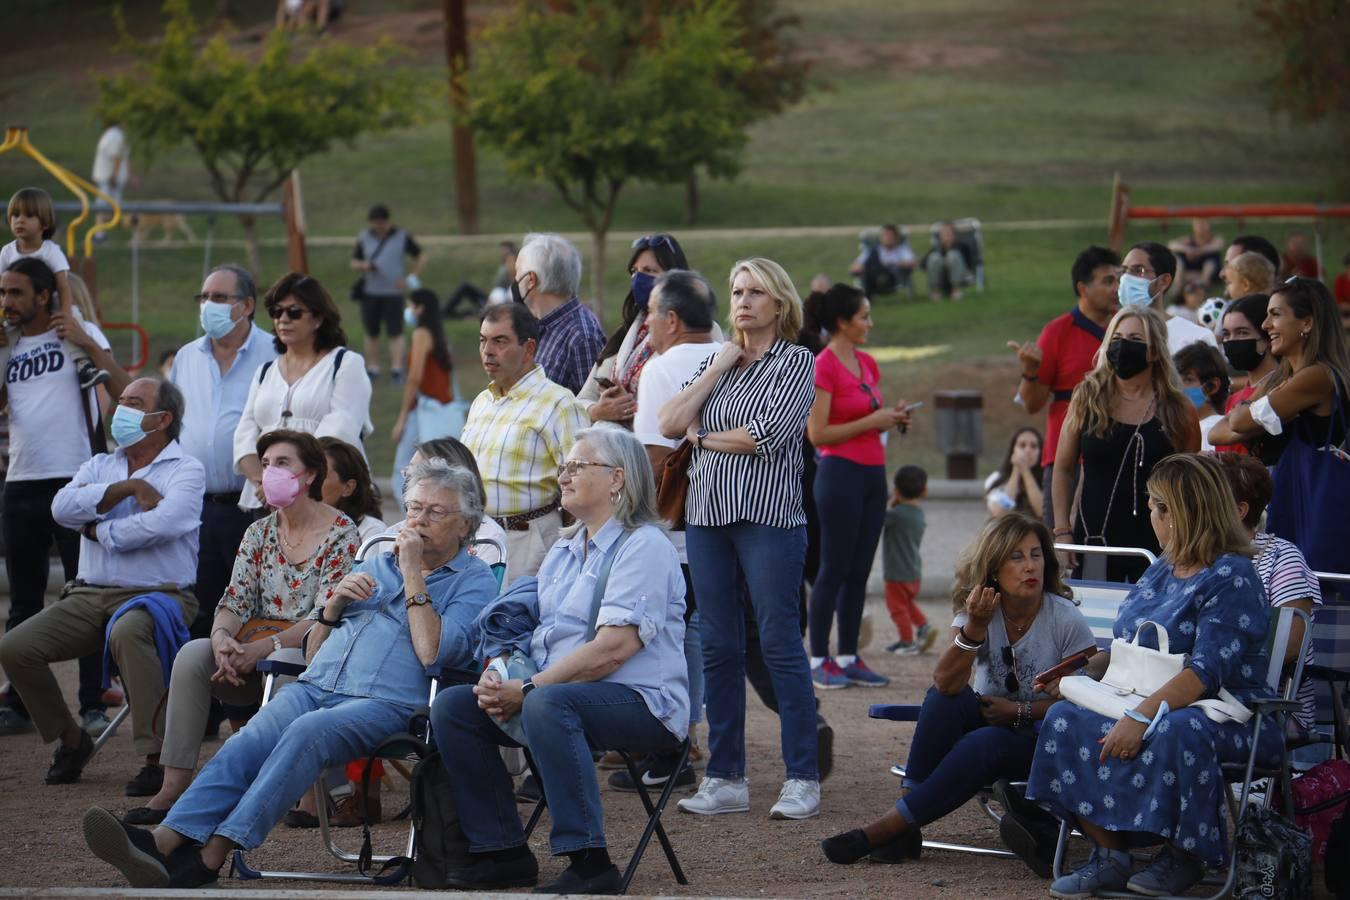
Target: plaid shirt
x=520, y=438
x=570, y=340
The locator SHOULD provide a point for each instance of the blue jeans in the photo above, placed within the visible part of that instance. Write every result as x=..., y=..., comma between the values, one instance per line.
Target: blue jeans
x=771, y=559
x=693, y=655
x=563, y=724
x=954, y=754
x=263, y=769
x=851, y=501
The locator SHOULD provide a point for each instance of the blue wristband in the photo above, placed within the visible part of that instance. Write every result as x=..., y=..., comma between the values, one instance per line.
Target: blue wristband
x=1138, y=716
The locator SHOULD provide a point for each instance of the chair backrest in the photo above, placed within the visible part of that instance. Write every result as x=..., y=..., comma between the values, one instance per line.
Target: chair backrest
x=1277, y=641
x=1331, y=635
x=498, y=567
x=368, y=544
x=1099, y=602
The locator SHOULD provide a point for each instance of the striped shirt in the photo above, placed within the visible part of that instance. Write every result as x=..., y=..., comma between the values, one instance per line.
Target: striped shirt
x=519, y=439
x=1286, y=577
x=570, y=341
x=770, y=398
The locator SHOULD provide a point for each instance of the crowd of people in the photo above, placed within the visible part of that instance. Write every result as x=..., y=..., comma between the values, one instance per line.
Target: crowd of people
x=228, y=524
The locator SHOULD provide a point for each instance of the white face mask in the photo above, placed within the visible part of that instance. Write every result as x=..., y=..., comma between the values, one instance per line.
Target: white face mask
x=1134, y=291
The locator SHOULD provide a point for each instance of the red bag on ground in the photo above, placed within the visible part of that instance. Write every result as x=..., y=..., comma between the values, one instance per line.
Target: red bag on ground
x=1324, y=781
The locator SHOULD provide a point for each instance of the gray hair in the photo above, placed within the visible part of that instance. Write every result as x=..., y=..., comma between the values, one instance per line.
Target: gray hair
x=439, y=473
x=169, y=399
x=243, y=282
x=689, y=296
x=554, y=260
x=618, y=447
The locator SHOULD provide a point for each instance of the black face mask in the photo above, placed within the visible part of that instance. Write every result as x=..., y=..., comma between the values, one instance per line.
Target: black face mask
x=516, y=295
x=1242, y=354
x=1128, y=358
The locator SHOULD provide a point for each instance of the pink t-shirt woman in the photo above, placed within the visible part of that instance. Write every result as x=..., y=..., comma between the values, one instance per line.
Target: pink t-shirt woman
x=852, y=398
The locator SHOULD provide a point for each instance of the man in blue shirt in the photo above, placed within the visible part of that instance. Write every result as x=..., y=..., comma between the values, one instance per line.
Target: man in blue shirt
x=397, y=619
x=214, y=373
x=548, y=276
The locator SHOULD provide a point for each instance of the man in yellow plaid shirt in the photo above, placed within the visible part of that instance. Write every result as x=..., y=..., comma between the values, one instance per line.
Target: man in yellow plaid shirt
x=520, y=429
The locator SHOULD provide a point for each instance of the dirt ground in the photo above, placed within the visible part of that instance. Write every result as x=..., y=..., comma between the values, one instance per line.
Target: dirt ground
x=745, y=855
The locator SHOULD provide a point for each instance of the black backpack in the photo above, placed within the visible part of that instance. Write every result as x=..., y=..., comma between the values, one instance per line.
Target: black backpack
x=1274, y=857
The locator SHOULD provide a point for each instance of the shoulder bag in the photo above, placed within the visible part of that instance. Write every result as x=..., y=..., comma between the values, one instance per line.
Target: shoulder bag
x=673, y=486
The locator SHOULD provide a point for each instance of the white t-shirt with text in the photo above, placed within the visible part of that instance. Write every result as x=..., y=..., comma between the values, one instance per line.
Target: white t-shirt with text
x=48, y=434
x=49, y=253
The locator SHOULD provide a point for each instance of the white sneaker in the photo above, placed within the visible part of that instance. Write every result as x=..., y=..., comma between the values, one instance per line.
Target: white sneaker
x=719, y=795
x=800, y=799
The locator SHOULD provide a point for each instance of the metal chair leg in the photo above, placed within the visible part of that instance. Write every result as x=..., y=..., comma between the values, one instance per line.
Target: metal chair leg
x=654, y=817
x=111, y=730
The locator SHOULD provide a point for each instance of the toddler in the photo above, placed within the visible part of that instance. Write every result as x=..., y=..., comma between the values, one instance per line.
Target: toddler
x=901, y=568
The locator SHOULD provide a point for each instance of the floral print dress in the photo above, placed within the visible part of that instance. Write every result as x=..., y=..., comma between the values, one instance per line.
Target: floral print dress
x=1173, y=788
x=266, y=585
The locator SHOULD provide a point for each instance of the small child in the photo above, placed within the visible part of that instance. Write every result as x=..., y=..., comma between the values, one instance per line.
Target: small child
x=901, y=567
x=32, y=218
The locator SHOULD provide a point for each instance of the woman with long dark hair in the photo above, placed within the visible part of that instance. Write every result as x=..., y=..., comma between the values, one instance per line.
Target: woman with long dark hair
x=1016, y=485
x=430, y=407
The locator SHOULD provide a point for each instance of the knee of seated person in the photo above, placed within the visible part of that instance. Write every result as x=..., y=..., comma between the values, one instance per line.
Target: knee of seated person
x=132, y=625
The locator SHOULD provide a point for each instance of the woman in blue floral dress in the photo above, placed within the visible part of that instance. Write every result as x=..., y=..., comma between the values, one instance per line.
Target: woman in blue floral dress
x=1122, y=789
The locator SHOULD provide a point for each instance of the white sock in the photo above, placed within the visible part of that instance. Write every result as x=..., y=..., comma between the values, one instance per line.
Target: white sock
x=816, y=661
x=845, y=661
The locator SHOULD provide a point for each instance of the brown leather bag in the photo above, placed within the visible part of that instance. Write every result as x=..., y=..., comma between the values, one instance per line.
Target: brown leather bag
x=259, y=629
x=672, y=485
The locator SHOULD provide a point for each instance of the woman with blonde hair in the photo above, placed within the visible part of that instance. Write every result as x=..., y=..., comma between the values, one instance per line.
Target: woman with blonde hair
x=1154, y=774
x=1126, y=415
x=745, y=413
x=1014, y=619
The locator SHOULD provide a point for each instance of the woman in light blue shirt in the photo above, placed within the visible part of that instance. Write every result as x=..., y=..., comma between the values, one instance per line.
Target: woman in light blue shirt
x=619, y=682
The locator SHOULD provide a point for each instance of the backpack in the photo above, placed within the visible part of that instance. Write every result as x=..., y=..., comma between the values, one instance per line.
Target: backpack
x=1320, y=797
x=1274, y=857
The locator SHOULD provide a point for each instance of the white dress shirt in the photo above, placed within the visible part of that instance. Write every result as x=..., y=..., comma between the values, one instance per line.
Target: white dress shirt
x=136, y=547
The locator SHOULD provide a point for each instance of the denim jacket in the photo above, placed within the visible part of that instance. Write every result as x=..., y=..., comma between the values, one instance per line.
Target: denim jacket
x=371, y=654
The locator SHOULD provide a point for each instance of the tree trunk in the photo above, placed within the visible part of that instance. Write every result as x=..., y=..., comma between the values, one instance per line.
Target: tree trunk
x=461, y=141
x=250, y=226
x=691, y=198
x=597, y=303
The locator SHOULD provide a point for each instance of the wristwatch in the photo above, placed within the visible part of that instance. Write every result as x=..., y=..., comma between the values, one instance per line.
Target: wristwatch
x=421, y=598
x=276, y=644
x=526, y=686
x=699, y=436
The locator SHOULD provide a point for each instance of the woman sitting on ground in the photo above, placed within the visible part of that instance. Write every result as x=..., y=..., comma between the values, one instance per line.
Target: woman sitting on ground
x=1017, y=483
x=1124, y=789
x=1014, y=620
x=289, y=562
x=348, y=487
x=625, y=686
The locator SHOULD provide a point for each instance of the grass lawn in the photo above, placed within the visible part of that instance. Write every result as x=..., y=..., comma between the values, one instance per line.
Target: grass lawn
x=921, y=110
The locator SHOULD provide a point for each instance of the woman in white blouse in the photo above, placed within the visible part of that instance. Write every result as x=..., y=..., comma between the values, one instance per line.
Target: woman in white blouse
x=316, y=386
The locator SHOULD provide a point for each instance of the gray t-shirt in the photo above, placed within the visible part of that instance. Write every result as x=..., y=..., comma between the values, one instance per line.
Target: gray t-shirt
x=1058, y=631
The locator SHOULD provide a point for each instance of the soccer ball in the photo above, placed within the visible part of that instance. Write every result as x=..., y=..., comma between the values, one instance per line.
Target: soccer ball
x=1210, y=313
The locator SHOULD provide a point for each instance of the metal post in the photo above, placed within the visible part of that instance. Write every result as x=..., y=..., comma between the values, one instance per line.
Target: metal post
x=135, y=277
x=206, y=253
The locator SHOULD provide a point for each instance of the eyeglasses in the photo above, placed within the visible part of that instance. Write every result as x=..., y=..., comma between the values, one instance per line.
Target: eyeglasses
x=217, y=298
x=652, y=241
x=294, y=313
x=1010, y=682
x=573, y=466
x=430, y=513
x=1138, y=271
x=871, y=397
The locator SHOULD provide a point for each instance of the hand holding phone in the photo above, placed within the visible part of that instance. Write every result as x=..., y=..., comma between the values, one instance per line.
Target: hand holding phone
x=1066, y=666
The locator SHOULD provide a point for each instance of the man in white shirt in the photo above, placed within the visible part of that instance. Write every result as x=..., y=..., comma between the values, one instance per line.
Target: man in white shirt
x=51, y=435
x=112, y=163
x=214, y=372
x=138, y=510
x=1146, y=275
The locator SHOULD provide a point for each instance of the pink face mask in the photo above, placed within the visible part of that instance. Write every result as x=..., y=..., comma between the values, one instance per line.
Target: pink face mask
x=280, y=487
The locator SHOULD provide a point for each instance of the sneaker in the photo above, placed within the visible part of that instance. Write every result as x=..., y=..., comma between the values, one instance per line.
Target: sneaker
x=718, y=795
x=828, y=676
x=1172, y=872
x=572, y=883
x=373, y=374
x=396, y=376
x=146, y=782
x=131, y=851
x=655, y=772
x=799, y=799
x=68, y=762
x=91, y=375
x=857, y=673
x=925, y=636
x=901, y=648
x=347, y=812
x=13, y=723
x=1105, y=870
x=95, y=722
x=144, y=815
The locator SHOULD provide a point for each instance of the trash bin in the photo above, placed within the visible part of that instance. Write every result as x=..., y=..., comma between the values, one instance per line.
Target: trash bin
x=960, y=430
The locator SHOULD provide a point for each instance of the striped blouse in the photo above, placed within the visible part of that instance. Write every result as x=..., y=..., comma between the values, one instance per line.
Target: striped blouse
x=1286, y=577
x=770, y=398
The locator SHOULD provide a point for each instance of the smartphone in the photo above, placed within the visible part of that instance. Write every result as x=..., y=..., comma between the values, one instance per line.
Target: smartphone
x=605, y=383
x=914, y=406
x=1066, y=666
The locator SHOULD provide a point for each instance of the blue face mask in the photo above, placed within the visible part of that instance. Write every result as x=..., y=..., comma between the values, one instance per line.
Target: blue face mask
x=216, y=321
x=1133, y=291
x=126, y=426
x=642, y=288
x=409, y=317
x=1196, y=394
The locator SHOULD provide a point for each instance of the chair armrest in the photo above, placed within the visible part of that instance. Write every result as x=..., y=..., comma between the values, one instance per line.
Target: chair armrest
x=280, y=667
x=1325, y=673
x=894, y=712
x=1270, y=705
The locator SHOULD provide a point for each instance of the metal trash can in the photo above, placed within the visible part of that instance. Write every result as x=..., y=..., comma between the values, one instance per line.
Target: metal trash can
x=960, y=430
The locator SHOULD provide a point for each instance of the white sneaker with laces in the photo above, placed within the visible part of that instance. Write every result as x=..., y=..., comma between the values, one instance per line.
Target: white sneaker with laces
x=718, y=795
x=800, y=799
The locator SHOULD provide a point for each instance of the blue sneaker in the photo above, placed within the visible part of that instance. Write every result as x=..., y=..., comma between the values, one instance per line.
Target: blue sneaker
x=1172, y=872
x=828, y=676
x=1105, y=870
x=857, y=673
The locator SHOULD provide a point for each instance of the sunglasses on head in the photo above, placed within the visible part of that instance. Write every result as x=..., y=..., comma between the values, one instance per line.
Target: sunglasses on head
x=294, y=313
x=652, y=241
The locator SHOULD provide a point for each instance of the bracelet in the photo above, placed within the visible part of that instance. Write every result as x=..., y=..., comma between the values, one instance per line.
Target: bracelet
x=333, y=624
x=975, y=645
x=962, y=645
x=1035, y=377
x=1058, y=531
x=221, y=628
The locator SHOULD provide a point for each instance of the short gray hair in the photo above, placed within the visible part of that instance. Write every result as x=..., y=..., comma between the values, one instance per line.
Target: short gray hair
x=439, y=473
x=689, y=296
x=169, y=399
x=618, y=447
x=554, y=260
x=243, y=280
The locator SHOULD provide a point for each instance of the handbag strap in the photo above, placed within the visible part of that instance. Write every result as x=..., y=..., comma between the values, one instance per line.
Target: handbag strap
x=1161, y=632
x=602, y=581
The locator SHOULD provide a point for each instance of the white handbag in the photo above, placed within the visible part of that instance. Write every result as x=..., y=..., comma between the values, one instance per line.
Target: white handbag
x=1134, y=673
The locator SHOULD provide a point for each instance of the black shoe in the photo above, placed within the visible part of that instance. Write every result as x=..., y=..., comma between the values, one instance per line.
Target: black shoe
x=298, y=818
x=655, y=772
x=131, y=851
x=497, y=871
x=1027, y=830
x=907, y=846
x=144, y=815
x=570, y=883
x=824, y=747
x=68, y=762
x=846, y=848
x=186, y=869
x=147, y=782
x=529, y=792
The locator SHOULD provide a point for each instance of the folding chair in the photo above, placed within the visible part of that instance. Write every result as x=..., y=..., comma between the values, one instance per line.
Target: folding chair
x=1331, y=650
x=272, y=669
x=654, y=811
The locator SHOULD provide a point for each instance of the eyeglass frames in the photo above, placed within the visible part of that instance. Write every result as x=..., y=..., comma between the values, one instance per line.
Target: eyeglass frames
x=573, y=466
x=871, y=396
x=1010, y=682
x=217, y=298
x=430, y=513
x=652, y=241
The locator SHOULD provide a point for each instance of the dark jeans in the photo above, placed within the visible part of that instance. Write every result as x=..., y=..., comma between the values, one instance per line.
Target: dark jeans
x=29, y=532
x=563, y=723
x=954, y=754
x=851, y=500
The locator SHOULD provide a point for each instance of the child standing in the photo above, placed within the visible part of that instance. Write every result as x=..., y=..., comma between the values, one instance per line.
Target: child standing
x=32, y=218
x=901, y=567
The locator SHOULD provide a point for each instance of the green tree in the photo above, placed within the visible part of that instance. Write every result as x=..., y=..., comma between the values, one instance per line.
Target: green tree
x=590, y=94
x=252, y=118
